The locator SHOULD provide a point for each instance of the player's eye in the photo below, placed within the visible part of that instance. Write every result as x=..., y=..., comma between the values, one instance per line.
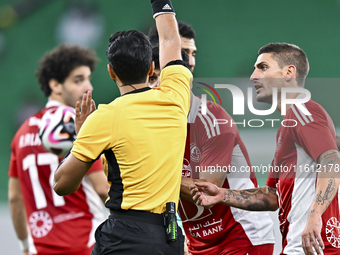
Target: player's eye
x=153, y=80
x=187, y=51
x=78, y=81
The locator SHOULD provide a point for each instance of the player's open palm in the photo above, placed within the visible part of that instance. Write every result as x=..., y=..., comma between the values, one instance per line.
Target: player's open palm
x=205, y=193
x=83, y=110
x=311, y=236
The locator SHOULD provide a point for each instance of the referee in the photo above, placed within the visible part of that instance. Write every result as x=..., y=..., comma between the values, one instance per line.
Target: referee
x=142, y=134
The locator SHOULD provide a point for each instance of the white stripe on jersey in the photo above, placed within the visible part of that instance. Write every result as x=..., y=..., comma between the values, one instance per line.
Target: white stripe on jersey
x=297, y=115
x=310, y=117
x=302, y=196
x=339, y=197
x=194, y=108
x=31, y=246
x=307, y=118
x=96, y=207
x=258, y=226
x=209, y=121
x=303, y=115
x=205, y=125
x=217, y=126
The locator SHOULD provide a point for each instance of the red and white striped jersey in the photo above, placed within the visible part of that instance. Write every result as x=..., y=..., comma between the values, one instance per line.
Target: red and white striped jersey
x=57, y=224
x=294, y=176
x=209, y=144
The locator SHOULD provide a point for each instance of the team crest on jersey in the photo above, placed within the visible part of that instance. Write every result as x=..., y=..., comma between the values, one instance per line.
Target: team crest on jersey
x=40, y=223
x=333, y=232
x=186, y=171
x=279, y=142
x=195, y=153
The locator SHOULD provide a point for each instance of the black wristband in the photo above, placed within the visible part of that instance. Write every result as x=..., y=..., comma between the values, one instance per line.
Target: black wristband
x=161, y=6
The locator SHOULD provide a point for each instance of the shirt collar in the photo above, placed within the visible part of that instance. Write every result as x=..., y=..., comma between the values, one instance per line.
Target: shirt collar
x=138, y=90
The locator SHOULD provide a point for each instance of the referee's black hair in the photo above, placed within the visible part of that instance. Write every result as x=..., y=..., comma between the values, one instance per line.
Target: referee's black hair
x=185, y=30
x=130, y=55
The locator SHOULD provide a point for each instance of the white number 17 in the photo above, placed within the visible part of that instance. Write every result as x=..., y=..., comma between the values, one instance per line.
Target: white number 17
x=31, y=163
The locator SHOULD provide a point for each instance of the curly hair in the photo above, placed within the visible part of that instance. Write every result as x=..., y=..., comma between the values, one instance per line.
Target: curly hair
x=60, y=62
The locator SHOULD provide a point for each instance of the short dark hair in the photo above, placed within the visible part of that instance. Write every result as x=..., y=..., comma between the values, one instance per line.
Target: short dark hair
x=130, y=55
x=60, y=62
x=289, y=54
x=155, y=56
x=185, y=30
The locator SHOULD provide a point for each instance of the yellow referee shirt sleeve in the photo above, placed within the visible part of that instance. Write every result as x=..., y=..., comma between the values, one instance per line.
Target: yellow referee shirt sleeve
x=95, y=135
x=177, y=78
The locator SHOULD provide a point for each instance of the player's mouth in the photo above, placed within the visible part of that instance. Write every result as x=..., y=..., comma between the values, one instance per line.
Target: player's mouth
x=257, y=87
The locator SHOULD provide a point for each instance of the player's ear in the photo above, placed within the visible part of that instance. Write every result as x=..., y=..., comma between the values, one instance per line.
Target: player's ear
x=152, y=68
x=55, y=86
x=111, y=72
x=290, y=72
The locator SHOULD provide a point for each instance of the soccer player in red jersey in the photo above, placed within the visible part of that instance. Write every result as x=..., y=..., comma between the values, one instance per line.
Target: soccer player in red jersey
x=56, y=225
x=220, y=229
x=304, y=180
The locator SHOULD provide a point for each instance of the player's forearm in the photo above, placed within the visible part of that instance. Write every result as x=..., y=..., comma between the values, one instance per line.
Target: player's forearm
x=258, y=199
x=69, y=175
x=17, y=208
x=63, y=185
x=19, y=218
x=338, y=142
x=327, y=183
x=186, y=182
x=185, y=191
x=168, y=30
x=325, y=191
x=169, y=39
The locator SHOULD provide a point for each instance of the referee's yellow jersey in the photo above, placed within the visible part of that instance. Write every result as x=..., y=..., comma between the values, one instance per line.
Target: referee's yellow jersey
x=142, y=135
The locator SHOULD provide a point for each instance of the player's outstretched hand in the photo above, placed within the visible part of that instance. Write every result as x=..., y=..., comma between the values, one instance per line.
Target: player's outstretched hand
x=205, y=194
x=311, y=236
x=83, y=110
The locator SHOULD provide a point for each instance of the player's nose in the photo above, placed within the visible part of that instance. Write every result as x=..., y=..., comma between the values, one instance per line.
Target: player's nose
x=88, y=86
x=192, y=62
x=254, y=76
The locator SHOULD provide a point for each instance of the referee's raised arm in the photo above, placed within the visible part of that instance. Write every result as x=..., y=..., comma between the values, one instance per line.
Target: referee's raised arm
x=169, y=39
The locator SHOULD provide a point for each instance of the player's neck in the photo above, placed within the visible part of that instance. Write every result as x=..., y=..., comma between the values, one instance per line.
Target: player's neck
x=288, y=96
x=58, y=98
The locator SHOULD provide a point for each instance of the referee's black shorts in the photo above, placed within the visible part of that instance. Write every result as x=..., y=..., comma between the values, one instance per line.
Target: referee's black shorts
x=135, y=232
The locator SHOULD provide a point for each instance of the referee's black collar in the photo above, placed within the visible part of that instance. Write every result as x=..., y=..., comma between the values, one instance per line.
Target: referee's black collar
x=138, y=90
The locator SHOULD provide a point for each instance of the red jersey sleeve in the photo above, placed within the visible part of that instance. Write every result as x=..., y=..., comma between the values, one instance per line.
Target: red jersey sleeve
x=218, y=149
x=315, y=133
x=12, y=166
